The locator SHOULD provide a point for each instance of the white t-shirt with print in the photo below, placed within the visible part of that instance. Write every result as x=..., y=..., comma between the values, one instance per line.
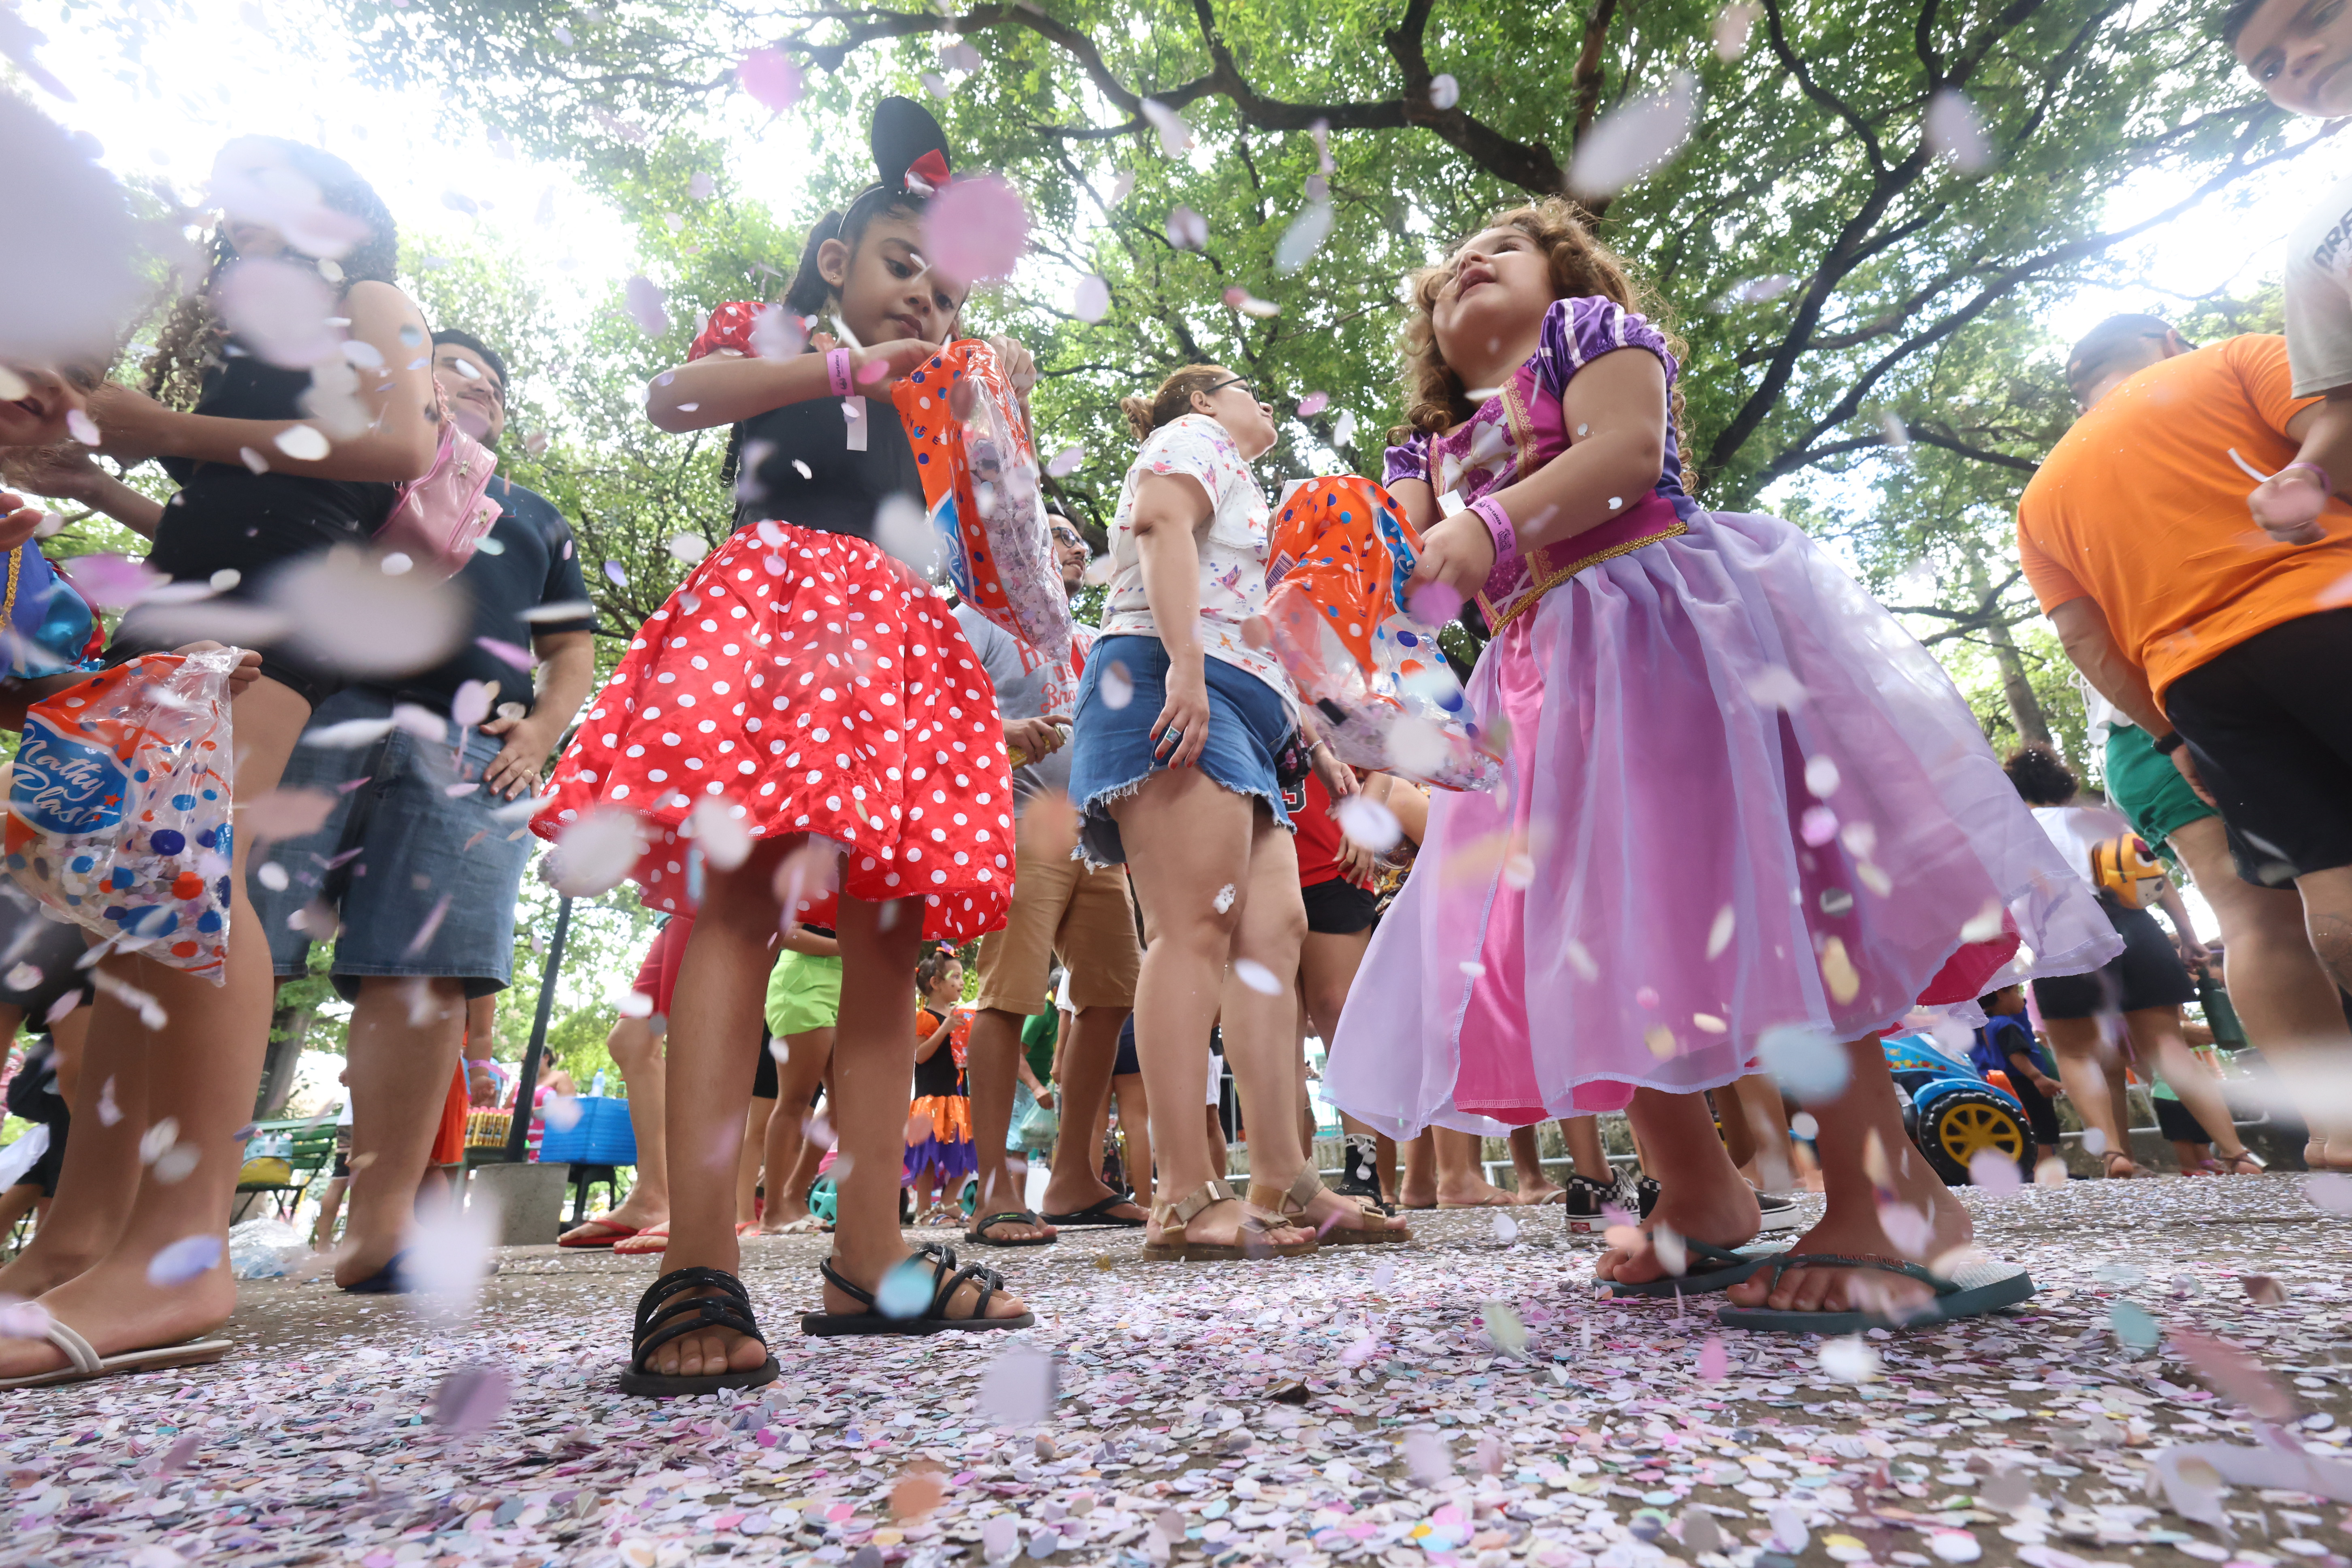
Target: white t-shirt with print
x=2319, y=295
x=1232, y=554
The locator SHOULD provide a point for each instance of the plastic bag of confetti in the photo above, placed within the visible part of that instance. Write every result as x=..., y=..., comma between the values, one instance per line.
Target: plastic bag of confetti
x=986, y=498
x=1339, y=554
x=118, y=806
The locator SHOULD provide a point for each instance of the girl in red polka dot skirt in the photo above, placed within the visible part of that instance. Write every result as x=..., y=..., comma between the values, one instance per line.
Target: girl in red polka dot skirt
x=802, y=732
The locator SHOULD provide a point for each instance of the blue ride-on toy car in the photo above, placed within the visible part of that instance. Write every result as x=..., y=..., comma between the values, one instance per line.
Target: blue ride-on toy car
x=1951, y=1111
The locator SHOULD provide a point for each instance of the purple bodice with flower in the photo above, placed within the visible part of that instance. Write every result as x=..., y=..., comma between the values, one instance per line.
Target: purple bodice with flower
x=1522, y=428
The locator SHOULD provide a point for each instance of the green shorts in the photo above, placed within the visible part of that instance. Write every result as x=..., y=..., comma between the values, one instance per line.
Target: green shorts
x=2146, y=787
x=804, y=993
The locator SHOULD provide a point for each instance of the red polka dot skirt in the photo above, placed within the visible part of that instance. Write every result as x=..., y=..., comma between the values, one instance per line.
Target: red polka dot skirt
x=813, y=686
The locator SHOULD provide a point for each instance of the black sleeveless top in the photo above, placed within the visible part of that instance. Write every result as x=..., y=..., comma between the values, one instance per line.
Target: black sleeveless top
x=226, y=515
x=843, y=489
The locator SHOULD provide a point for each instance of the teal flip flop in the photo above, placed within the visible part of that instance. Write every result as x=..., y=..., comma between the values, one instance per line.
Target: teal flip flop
x=1973, y=1290
x=1728, y=1268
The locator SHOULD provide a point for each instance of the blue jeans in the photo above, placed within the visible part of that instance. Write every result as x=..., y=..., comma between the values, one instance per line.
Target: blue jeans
x=419, y=851
x=1111, y=751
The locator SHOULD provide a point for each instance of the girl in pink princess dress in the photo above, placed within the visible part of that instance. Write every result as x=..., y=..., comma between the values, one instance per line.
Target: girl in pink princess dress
x=1744, y=814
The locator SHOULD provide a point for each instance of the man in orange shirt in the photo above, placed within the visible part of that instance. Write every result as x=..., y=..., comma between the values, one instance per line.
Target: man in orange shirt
x=2221, y=643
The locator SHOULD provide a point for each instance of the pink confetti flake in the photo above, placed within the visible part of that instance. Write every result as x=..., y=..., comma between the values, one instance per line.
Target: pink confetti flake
x=1638, y=137
x=1091, y=300
x=771, y=77
x=112, y=581
x=1817, y=825
x=977, y=230
x=645, y=305
x=1314, y=403
x=1187, y=230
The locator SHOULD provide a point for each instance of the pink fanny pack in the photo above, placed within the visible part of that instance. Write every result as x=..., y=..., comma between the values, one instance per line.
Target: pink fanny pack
x=439, y=518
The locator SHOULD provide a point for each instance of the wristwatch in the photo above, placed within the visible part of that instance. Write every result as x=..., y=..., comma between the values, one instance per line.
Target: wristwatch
x=2169, y=742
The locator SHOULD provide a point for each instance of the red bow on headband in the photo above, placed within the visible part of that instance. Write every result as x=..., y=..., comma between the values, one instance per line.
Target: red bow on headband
x=928, y=173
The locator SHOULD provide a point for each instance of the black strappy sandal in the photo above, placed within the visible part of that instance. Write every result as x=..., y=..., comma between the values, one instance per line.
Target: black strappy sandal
x=946, y=1280
x=662, y=1317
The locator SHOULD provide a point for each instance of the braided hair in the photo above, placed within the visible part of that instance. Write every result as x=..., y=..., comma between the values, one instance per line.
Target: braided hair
x=192, y=335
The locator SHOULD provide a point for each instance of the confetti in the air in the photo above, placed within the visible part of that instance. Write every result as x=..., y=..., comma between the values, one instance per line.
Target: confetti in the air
x=1090, y=301
x=1175, y=135
x=1954, y=131
x=1732, y=25
x=646, y=305
x=771, y=77
x=1065, y=462
x=1634, y=139
x=977, y=229
x=1445, y=92
x=1187, y=230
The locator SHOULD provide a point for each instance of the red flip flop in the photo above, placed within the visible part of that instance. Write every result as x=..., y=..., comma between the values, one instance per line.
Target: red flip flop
x=596, y=1230
x=654, y=1238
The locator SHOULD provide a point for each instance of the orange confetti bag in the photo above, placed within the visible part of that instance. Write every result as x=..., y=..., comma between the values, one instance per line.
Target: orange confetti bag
x=1339, y=554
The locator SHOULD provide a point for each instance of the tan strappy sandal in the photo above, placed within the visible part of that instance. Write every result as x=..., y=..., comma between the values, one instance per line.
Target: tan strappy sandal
x=1378, y=1229
x=1174, y=1246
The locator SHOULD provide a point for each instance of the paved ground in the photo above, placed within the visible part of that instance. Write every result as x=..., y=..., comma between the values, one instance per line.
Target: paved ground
x=1352, y=1406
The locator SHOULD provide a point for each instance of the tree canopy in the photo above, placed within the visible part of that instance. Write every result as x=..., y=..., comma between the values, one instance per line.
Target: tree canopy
x=1874, y=201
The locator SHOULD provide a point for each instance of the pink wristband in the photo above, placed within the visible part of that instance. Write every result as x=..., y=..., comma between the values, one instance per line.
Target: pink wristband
x=1498, y=527
x=836, y=370
x=2326, y=485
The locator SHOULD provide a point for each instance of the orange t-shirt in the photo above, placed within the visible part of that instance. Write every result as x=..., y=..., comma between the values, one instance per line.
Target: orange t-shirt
x=2139, y=508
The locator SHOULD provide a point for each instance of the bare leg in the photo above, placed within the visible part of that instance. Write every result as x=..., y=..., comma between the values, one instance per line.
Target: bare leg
x=1135, y=1121
x=101, y=1173
x=873, y=1068
x=747, y=1166
x=1700, y=1194
x=202, y=1069
x=2091, y=1073
x=2156, y=1037
x=1417, y=1187
x=992, y=1065
x=1867, y=1114
x=791, y=1157
x=405, y=1037
x=2327, y=916
x=1261, y=1031
x=1526, y=1168
x=1461, y=1180
x=1592, y=1160
x=1077, y=1181
x=16, y=1203
x=330, y=1203
x=637, y=1052
x=1188, y=843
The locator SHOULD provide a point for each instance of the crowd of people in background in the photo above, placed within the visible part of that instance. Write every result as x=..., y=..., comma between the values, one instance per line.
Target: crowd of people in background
x=954, y=928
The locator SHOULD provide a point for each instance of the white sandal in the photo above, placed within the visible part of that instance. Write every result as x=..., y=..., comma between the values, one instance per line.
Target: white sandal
x=83, y=1364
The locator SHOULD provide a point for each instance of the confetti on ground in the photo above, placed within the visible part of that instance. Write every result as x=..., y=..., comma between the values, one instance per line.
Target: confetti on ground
x=340, y=1430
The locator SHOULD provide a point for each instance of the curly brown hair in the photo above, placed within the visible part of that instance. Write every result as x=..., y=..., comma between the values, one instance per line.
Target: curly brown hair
x=1435, y=399
x=190, y=340
x=1173, y=401
x=2041, y=776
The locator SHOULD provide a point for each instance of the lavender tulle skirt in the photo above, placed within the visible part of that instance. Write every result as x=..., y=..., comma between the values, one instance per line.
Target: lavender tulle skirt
x=1740, y=797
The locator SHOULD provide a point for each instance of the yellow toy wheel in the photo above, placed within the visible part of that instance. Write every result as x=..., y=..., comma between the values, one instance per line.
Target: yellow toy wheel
x=1969, y=1123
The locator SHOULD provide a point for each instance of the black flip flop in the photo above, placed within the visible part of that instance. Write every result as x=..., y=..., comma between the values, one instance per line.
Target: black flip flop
x=661, y=1317
x=977, y=1233
x=1724, y=1268
x=384, y=1281
x=1098, y=1213
x=946, y=1280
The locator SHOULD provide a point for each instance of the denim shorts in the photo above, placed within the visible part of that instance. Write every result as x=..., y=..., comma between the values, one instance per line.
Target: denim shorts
x=423, y=856
x=1111, y=751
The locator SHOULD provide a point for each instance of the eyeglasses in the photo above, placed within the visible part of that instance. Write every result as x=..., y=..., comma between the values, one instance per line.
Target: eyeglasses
x=1240, y=381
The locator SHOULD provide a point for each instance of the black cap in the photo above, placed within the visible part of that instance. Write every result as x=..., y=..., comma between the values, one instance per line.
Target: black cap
x=2109, y=340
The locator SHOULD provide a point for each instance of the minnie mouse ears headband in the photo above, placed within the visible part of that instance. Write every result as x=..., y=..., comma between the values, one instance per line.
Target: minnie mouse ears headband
x=910, y=151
